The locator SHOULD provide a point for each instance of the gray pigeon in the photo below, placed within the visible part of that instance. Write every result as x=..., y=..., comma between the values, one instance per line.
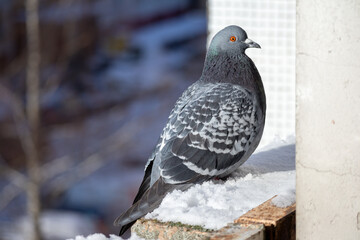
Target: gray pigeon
x=214, y=127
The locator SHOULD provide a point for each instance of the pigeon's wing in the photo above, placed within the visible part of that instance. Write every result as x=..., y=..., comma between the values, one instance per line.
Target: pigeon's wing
x=180, y=103
x=209, y=134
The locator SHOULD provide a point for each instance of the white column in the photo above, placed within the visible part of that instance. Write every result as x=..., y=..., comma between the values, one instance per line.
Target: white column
x=328, y=119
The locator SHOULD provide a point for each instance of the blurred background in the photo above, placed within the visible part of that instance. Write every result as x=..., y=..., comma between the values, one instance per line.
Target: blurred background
x=108, y=75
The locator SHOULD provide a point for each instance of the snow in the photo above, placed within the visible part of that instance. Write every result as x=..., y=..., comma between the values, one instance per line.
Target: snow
x=99, y=236
x=284, y=199
x=212, y=205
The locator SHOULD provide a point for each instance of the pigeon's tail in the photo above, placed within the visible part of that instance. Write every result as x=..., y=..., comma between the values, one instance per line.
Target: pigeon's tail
x=150, y=200
x=125, y=227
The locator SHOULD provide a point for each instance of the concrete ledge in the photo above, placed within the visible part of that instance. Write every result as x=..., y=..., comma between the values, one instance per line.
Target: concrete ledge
x=279, y=222
x=263, y=222
x=152, y=229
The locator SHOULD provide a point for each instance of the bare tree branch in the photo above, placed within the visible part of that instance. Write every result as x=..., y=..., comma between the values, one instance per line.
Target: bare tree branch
x=96, y=160
x=16, y=186
x=15, y=177
x=33, y=113
x=56, y=167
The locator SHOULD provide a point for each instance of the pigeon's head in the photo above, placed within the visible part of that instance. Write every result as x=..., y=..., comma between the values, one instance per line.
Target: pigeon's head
x=231, y=40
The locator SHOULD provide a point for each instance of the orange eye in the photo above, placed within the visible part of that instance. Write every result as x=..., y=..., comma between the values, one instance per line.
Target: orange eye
x=233, y=38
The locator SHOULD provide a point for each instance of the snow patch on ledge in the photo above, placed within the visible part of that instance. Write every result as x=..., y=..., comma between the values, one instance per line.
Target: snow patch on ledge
x=285, y=199
x=100, y=236
x=214, y=204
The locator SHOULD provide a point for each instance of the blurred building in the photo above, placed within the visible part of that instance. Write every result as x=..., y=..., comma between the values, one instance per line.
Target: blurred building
x=97, y=54
x=111, y=71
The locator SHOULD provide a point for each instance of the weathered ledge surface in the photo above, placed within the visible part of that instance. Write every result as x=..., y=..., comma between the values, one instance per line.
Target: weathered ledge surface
x=263, y=222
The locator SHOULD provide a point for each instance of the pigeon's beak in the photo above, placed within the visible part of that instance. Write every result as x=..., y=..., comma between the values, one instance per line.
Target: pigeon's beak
x=251, y=43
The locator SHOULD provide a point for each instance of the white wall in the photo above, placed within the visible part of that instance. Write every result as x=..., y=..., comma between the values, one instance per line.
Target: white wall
x=328, y=119
x=272, y=25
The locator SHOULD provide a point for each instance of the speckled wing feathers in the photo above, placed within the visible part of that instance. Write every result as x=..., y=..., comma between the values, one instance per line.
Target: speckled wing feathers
x=209, y=130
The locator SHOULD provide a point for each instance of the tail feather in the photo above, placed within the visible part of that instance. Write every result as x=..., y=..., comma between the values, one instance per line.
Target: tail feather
x=150, y=200
x=125, y=227
x=145, y=184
